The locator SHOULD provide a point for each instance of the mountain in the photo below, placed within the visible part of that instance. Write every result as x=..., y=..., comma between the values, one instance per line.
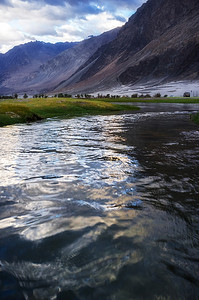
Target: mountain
x=32, y=69
x=159, y=43
x=61, y=67
x=18, y=62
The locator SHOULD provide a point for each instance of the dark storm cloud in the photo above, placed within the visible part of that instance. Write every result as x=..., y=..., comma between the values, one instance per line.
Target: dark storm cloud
x=78, y=7
x=88, y=7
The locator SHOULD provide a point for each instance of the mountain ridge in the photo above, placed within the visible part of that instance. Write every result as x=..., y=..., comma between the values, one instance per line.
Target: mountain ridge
x=159, y=43
x=155, y=25
x=25, y=58
x=45, y=73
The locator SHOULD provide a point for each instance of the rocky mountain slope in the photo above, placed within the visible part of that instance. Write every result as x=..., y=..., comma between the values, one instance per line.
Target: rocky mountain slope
x=160, y=42
x=35, y=72
x=17, y=63
x=59, y=69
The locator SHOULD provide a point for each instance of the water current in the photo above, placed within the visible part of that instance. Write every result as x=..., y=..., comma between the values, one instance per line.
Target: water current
x=101, y=207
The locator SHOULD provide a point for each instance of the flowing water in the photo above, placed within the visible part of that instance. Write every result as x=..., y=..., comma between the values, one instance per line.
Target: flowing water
x=101, y=207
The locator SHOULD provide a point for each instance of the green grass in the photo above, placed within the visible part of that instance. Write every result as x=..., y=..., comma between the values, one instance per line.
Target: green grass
x=152, y=100
x=195, y=100
x=11, y=113
x=195, y=118
x=29, y=110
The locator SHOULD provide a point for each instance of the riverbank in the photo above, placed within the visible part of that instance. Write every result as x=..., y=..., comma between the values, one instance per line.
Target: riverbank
x=152, y=100
x=177, y=100
x=30, y=110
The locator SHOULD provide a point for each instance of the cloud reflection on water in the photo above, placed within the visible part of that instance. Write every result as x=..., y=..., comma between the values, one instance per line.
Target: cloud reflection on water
x=68, y=177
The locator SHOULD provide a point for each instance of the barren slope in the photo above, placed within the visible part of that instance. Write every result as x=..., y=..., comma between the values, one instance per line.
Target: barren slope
x=160, y=42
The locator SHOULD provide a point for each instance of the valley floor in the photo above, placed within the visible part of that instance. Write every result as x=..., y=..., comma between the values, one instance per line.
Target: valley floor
x=171, y=89
x=30, y=110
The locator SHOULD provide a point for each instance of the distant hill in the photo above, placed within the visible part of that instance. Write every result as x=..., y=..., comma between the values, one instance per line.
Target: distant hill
x=40, y=67
x=61, y=67
x=18, y=62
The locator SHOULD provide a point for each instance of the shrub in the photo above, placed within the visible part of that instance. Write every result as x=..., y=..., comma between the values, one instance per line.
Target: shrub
x=158, y=95
x=147, y=96
x=186, y=94
x=134, y=96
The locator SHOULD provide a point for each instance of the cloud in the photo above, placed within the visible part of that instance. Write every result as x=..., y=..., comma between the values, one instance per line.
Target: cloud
x=7, y=32
x=5, y=2
x=60, y=20
x=120, y=19
x=93, y=25
x=131, y=4
x=10, y=37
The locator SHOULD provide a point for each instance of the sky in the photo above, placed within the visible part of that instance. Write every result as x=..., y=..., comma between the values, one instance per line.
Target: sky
x=22, y=21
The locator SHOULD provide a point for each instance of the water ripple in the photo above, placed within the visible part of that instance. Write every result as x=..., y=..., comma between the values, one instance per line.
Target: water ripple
x=100, y=207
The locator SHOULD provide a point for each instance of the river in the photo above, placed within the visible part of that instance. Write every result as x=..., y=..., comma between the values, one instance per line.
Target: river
x=101, y=207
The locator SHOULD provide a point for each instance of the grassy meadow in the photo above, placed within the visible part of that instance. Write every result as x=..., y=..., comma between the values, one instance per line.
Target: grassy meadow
x=30, y=110
x=180, y=100
x=15, y=111
x=153, y=100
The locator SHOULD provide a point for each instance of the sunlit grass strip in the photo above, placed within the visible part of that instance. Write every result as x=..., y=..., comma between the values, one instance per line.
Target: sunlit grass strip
x=11, y=113
x=21, y=111
x=53, y=107
x=152, y=100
